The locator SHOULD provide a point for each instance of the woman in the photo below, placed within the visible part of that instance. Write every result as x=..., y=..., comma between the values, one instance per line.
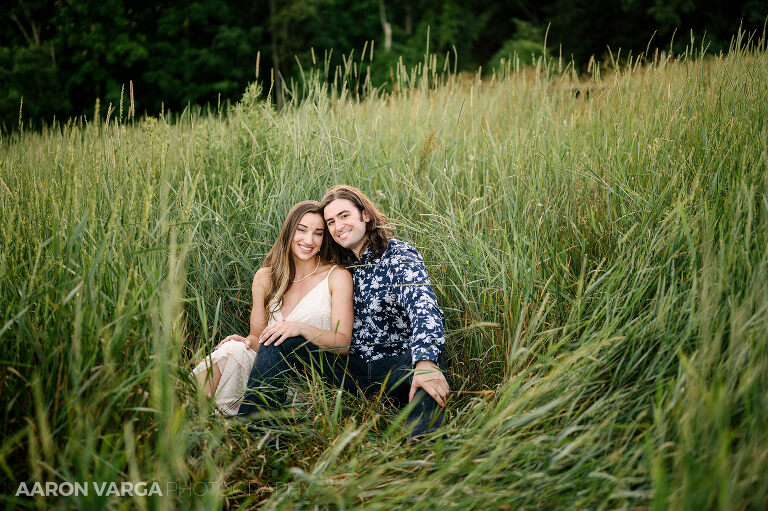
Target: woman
x=298, y=291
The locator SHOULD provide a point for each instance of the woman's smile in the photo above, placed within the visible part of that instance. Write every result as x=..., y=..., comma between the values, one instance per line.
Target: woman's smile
x=306, y=249
x=308, y=237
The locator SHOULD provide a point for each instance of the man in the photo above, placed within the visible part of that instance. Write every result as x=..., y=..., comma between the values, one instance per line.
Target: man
x=398, y=323
x=398, y=331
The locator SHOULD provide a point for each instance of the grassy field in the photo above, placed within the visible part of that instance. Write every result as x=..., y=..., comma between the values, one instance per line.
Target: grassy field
x=602, y=259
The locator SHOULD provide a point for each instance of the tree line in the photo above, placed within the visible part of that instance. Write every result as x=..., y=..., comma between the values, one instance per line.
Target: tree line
x=61, y=56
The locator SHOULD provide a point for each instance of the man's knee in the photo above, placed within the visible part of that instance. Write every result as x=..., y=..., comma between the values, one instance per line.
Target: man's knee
x=271, y=355
x=291, y=344
x=425, y=415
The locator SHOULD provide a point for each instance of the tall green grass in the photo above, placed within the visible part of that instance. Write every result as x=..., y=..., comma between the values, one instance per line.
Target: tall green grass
x=602, y=259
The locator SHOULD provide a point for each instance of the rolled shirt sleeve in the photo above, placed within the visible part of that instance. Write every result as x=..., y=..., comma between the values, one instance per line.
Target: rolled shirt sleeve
x=413, y=291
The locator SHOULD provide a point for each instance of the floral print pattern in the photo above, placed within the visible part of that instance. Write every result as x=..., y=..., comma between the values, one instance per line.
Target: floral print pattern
x=395, y=306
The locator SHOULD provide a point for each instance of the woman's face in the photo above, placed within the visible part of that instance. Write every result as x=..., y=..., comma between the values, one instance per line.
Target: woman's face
x=308, y=236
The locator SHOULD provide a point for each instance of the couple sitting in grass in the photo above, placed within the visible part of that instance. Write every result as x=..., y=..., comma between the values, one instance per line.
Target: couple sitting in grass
x=376, y=328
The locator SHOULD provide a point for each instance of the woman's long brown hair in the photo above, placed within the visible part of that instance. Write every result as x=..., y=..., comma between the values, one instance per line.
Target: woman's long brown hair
x=279, y=260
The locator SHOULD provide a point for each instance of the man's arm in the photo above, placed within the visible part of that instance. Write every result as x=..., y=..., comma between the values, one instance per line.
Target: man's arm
x=414, y=294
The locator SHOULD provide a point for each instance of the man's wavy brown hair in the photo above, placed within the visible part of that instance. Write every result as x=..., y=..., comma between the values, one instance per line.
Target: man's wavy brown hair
x=379, y=231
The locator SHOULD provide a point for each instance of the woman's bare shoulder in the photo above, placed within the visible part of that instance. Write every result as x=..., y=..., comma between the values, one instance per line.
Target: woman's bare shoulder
x=340, y=276
x=263, y=278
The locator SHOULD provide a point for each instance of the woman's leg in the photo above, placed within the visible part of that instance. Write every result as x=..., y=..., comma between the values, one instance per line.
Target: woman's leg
x=209, y=380
x=213, y=382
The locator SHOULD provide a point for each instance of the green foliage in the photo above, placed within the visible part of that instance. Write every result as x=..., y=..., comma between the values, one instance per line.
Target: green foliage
x=525, y=49
x=29, y=71
x=668, y=13
x=192, y=52
x=601, y=259
x=63, y=57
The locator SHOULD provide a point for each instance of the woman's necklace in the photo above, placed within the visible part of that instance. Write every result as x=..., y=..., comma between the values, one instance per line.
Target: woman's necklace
x=309, y=274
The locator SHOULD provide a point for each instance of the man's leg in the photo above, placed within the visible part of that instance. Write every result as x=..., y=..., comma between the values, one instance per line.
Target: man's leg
x=396, y=373
x=273, y=367
x=351, y=374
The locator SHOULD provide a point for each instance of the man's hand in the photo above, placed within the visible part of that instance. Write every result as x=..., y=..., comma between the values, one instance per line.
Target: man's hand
x=428, y=376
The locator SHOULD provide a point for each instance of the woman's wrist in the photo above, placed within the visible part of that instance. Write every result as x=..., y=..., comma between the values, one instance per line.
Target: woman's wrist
x=305, y=331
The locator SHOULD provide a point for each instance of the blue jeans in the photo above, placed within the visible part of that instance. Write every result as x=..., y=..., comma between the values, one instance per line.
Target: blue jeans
x=276, y=364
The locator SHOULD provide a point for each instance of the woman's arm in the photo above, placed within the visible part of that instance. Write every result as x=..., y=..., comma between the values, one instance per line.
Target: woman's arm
x=339, y=336
x=259, y=287
x=261, y=283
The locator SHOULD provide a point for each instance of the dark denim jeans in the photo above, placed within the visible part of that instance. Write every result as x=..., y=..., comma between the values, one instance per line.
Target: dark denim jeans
x=276, y=364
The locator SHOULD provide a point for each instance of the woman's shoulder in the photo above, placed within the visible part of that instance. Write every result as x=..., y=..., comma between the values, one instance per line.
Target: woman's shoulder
x=263, y=278
x=339, y=276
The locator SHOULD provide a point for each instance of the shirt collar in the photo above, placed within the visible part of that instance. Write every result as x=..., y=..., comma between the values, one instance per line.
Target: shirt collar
x=367, y=255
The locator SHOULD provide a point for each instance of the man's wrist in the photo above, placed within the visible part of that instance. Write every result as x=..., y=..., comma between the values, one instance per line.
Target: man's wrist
x=420, y=354
x=425, y=364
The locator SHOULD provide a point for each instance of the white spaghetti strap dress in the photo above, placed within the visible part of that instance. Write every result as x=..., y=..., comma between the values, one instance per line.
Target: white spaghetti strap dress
x=235, y=362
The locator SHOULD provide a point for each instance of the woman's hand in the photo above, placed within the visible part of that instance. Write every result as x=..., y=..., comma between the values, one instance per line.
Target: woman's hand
x=281, y=330
x=235, y=337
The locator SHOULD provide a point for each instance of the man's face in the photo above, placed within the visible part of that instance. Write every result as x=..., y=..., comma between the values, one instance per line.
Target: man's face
x=346, y=224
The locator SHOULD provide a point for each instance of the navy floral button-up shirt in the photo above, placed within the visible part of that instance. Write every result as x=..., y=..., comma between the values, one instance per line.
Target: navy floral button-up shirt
x=395, y=307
